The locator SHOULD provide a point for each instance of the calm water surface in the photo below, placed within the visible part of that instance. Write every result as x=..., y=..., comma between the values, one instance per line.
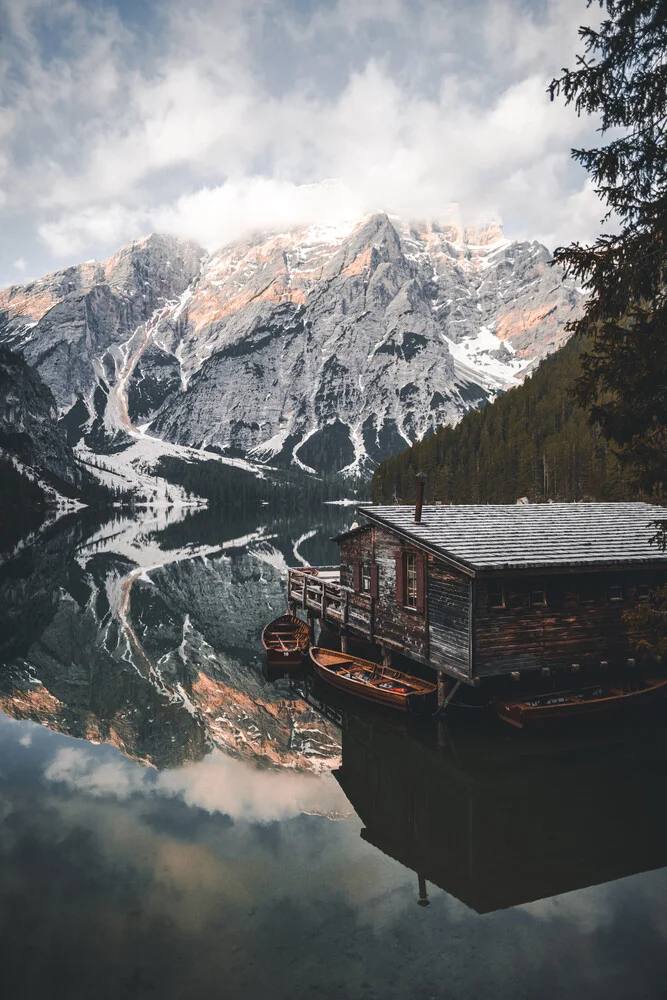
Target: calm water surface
x=172, y=825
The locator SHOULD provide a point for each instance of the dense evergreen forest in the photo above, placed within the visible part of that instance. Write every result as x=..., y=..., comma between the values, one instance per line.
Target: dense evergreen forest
x=533, y=441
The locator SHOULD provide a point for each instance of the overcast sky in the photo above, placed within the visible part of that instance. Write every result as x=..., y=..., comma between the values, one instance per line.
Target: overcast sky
x=209, y=118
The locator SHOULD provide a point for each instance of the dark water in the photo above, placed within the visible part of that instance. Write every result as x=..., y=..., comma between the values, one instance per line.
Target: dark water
x=173, y=826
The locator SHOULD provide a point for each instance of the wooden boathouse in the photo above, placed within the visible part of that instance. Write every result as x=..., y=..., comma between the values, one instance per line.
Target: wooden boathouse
x=480, y=591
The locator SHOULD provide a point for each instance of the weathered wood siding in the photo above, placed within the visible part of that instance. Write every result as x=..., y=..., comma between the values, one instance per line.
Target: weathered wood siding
x=449, y=617
x=560, y=633
x=579, y=623
x=393, y=625
x=356, y=548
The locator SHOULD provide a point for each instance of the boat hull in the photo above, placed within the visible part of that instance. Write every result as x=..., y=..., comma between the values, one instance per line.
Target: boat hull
x=409, y=694
x=285, y=641
x=567, y=706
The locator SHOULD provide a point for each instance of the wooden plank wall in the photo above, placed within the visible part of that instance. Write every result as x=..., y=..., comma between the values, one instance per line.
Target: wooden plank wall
x=399, y=627
x=565, y=631
x=449, y=616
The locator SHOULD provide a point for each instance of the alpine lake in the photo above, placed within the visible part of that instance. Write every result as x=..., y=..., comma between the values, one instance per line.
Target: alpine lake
x=175, y=825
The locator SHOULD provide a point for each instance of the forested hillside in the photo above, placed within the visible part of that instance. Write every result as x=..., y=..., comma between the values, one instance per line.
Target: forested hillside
x=534, y=441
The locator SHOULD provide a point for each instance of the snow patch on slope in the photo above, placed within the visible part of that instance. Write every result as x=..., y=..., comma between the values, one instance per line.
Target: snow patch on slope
x=486, y=355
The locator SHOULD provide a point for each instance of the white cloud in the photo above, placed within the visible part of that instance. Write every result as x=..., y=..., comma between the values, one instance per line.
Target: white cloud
x=216, y=784
x=242, y=791
x=215, y=215
x=79, y=769
x=109, y=224
x=210, y=125
x=20, y=263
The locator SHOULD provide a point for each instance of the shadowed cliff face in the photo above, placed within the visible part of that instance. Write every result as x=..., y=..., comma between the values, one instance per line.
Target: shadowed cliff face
x=131, y=635
x=31, y=441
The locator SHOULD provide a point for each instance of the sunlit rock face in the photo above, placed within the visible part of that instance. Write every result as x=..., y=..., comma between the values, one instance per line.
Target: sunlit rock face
x=325, y=347
x=75, y=326
x=115, y=636
x=351, y=344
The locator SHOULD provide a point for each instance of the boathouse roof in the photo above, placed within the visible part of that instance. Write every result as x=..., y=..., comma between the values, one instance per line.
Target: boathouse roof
x=530, y=536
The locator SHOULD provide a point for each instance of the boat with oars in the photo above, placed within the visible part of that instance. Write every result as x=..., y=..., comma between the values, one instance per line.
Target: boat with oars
x=598, y=699
x=286, y=640
x=368, y=680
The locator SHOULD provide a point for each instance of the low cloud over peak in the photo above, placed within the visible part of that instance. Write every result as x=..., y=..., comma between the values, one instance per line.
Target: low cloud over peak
x=215, y=120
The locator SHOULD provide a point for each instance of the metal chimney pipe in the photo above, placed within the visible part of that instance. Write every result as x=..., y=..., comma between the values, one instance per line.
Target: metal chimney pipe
x=420, y=497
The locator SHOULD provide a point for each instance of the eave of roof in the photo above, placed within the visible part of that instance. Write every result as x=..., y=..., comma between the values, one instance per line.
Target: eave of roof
x=350, y=532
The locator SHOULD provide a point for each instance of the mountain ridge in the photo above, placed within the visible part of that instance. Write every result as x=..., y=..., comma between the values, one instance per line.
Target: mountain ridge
x=324, y=348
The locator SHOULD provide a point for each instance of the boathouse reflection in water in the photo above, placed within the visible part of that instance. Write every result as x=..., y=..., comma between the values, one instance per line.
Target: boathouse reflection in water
x=499, y=821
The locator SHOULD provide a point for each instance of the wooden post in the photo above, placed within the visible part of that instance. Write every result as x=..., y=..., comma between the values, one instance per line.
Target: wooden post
x=423, y=897
x=343, y=627
x=291, y=607
x=420, y=497
x=442, y=688
x=450, y=695
x=311, y=627
x=386, y=657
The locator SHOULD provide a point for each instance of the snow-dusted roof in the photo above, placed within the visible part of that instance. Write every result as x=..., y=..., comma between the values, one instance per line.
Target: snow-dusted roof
x=526, y=536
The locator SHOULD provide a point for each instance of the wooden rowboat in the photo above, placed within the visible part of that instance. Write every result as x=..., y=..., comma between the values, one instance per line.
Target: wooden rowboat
x=589, y=701
x=285, y=641
x=382, y=685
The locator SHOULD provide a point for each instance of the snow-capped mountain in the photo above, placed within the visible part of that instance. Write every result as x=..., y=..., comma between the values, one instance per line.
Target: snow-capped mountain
x=326, y=348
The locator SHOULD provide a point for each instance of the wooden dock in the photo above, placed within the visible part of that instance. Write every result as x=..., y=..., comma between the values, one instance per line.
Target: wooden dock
x=324, y=597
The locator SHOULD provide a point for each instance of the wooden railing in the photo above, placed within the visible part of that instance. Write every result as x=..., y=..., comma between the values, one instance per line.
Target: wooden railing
x=331, y=602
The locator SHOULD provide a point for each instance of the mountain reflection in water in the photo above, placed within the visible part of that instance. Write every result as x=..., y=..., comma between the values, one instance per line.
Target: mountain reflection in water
x=279, y=841
x=145, y=634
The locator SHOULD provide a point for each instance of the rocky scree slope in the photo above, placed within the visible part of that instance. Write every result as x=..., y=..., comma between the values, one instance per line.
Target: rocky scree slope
x=326, y=348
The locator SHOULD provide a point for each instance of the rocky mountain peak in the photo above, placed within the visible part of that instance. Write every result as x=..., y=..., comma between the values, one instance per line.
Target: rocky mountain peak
x=327, y=347
x=164, y=264
x=150, y=260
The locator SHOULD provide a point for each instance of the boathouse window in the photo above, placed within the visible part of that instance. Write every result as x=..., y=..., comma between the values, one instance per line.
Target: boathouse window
x=496, y=594
x=615, y=590
x=411, y=580
x=365, y=578
x=643, y=591
x=538, y=596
